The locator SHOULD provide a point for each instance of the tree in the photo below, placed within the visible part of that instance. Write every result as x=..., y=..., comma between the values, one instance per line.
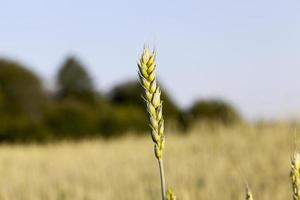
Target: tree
x=20, y=90
x=74, y=82
x=129, y=93
x=71, y=119
x=22, y=103
x=213, y=110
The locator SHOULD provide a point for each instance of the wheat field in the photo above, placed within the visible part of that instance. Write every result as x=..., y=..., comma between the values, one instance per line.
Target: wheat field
x=207, y=163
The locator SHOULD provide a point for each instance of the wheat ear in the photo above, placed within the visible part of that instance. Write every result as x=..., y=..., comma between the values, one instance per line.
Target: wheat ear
x=295, y=175
x=170, y=195
x=249, y=195
x=152, y=92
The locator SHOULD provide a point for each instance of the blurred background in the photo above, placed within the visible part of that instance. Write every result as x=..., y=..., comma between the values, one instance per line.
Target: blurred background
x=68, y=72
x=68, y=68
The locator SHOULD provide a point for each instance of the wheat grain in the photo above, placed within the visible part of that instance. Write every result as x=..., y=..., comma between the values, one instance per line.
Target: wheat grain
x=295, y=175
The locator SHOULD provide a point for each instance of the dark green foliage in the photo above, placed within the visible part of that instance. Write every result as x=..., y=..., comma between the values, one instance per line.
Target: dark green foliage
x=129, y=94
x=22, y=129
x=20, y=91
x=117, y=120
x=75, y=83
x=213, y=111
x=22, y=104
x=71, y=119
x=28, y=114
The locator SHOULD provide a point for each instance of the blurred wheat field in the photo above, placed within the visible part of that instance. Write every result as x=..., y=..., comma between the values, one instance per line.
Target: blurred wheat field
x=205, y=164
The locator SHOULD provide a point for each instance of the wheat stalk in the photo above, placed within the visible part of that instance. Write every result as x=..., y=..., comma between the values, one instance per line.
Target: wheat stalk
x=152, y=92
x=295, y=175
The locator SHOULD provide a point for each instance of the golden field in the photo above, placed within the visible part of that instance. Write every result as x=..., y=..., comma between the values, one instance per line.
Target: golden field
x=208, y=163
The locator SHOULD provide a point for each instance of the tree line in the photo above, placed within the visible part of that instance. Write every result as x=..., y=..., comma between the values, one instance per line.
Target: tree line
x=75, y=109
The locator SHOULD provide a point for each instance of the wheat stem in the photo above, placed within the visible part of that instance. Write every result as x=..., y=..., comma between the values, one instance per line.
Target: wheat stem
x=162, y=179
x=295, y=175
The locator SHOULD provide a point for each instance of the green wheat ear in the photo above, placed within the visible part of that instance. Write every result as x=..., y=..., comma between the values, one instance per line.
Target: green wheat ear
x=249, y=195
x=295, y=175
x=170, y=195
x=152, y=93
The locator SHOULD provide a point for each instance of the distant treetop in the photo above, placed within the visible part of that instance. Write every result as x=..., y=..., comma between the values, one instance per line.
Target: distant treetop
x=74, y=82
x=21, y=91
x=214, y=110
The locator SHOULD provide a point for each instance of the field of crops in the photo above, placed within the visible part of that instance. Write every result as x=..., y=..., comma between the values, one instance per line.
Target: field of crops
x=208, y=163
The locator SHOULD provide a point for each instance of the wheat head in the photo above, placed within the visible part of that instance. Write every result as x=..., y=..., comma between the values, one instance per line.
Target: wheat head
x=295, y=175
x=170, y=195
x=152, y=92
x=249, y=195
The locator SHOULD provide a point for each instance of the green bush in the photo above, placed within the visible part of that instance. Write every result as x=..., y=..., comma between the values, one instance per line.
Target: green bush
x=70, y=119
x=22, y=104
x=116, y=120
x=20, y=91
x=28, y=114
x=213, y=110
x=129, y=94
x=22, y=129
x=74, y=82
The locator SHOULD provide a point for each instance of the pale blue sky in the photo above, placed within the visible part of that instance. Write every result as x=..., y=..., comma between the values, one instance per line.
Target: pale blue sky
x=247, y=52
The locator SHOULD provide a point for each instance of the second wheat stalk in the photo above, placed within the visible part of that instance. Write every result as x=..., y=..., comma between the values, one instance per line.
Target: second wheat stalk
x=295, y=175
